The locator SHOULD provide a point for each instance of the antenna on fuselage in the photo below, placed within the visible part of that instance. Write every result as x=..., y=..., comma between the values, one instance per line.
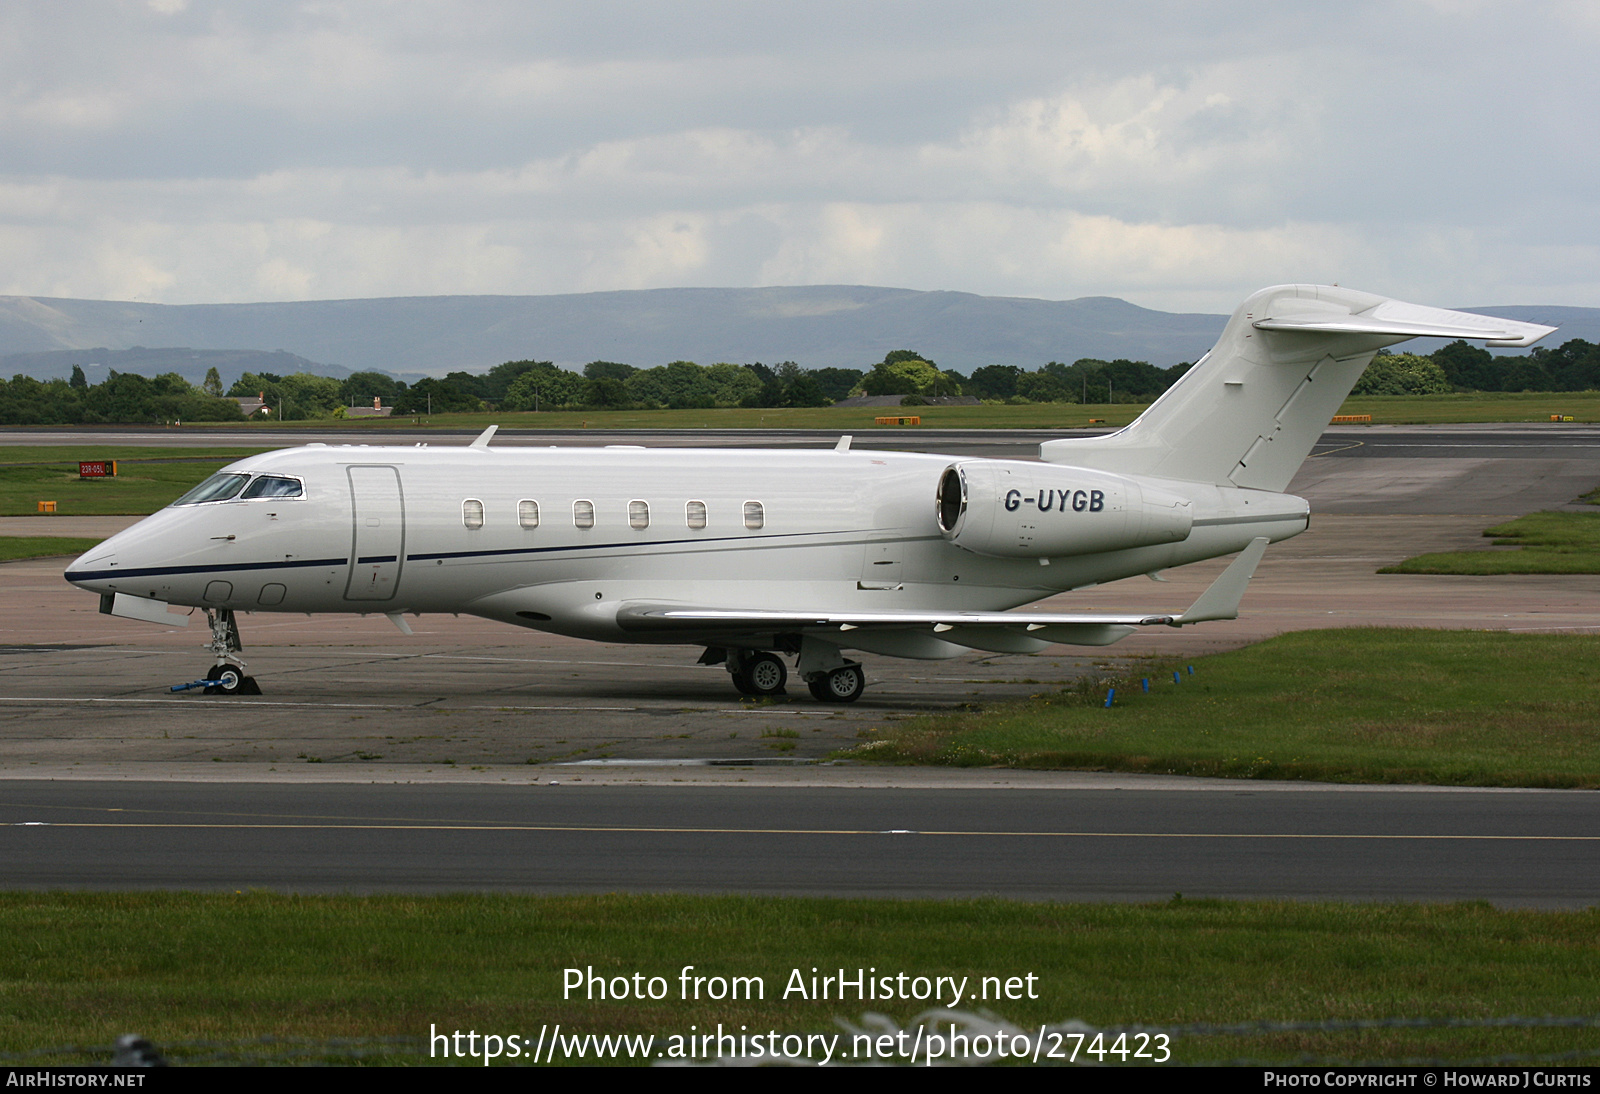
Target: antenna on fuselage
x=483, y=438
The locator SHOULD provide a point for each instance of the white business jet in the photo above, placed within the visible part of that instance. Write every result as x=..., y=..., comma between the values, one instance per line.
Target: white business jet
x=754, y=554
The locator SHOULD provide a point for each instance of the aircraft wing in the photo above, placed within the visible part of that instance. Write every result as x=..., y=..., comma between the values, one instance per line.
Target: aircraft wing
x=1219, y=601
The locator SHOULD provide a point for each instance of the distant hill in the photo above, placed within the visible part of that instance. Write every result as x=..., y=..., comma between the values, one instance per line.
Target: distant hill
x=1581, y=323
x=191, y=364
x=818, y=326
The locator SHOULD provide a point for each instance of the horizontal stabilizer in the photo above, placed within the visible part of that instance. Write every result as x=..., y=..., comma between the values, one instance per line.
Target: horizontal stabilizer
x=1249, y=412
x=1401, y=320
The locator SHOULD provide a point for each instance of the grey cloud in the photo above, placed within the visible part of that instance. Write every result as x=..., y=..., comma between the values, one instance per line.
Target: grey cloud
x=204, y=153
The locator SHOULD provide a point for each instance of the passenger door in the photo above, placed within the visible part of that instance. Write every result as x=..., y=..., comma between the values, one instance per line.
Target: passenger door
x=379, y=538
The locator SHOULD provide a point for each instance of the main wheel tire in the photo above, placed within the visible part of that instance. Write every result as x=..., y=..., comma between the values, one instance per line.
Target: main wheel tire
x=762, y=675
x=842, y=685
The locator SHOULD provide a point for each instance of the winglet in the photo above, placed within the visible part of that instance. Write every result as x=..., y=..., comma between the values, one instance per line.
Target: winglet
x=844, y=443
x=483, y=438
x=1221, y=600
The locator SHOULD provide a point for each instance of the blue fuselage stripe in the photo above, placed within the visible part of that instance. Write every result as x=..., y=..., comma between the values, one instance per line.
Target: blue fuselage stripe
x=229, y=568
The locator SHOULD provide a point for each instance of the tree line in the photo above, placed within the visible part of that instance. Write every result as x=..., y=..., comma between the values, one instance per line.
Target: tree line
x=539, y=385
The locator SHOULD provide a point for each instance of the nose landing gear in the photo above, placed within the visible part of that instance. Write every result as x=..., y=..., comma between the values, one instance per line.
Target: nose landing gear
x=226, y=676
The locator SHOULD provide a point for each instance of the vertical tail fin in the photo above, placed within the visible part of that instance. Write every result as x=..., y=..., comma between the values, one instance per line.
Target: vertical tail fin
x=1248, y=413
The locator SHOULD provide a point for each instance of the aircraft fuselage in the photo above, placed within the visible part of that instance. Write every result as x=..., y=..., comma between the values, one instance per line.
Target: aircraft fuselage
x=557, y=538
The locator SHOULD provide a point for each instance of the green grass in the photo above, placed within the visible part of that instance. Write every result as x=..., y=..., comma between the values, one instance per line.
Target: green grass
x=81, y=969
x=1549, y=543
x=147, y=478
x=1384, y=706
x=1475, y=406
x=13, y=548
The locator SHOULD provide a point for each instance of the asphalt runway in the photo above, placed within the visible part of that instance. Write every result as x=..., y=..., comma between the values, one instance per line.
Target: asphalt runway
x=494, y=715
x=1443, y=470
x=1528, y=849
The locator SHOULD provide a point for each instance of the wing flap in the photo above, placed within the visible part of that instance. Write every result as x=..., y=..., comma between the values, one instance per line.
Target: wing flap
x=637, y=615
x=1219, y=601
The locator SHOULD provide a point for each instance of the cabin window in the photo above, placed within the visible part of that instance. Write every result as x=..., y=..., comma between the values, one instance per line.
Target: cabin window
x=216, y=488
x=694, y=514
x=638, y=514
x=754, y=515
x=583, y=514
x=472, y=513
x=273, y=486
x=528, y=513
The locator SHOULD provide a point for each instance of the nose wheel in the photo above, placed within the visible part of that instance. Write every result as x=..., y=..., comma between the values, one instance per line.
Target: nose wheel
x=227, y=679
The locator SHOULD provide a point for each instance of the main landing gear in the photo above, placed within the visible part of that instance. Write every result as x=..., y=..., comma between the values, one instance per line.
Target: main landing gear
x=761, y=674
x=226, y=676
x=842, y=685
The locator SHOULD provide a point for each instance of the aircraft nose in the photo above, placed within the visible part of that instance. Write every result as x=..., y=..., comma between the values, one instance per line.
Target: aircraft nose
x=91, y=569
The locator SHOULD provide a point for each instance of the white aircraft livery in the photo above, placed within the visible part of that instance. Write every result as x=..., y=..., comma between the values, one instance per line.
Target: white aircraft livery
x=757, y=554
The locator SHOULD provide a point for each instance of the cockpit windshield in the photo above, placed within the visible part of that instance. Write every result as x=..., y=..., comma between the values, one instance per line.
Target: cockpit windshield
x=219, y=487
x=272, y=486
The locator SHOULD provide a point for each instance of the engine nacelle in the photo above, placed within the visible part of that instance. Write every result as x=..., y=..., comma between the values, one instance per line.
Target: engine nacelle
x=1020, y=510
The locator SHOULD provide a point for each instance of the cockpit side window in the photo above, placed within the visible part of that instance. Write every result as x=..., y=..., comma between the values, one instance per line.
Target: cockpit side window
x=219, y=487
x=273, y=486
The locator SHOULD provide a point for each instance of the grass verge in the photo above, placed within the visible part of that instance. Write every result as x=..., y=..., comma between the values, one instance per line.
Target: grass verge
x=1372, y=705
x=15, y=548
x=147, y=478
x=84, y=968
x=1475, y=407
x=1550, y=543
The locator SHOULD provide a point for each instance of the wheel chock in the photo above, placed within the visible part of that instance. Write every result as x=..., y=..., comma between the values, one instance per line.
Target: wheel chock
x=247, y=686
x=194, y=684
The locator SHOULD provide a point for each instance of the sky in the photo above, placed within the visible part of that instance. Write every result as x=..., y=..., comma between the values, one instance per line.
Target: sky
x=1177, y=155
